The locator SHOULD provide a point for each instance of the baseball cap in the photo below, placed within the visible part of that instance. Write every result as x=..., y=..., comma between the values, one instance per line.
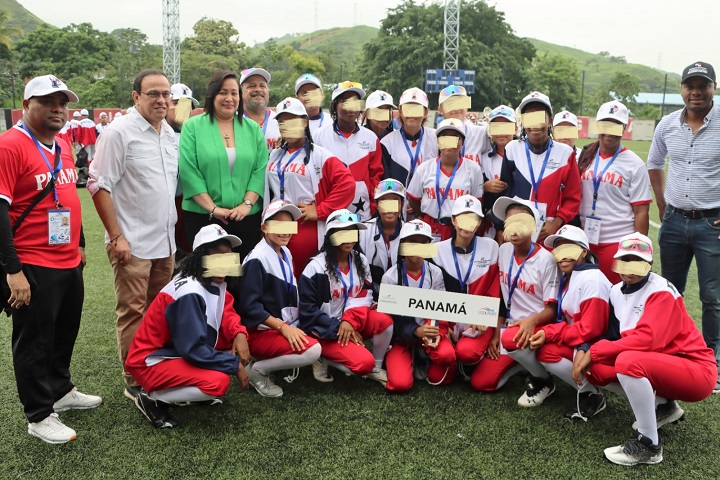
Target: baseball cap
x=344, y=218
x=280, y=206
x=180, y=90
x=451, y=124
x=292, y=106
x=613, y=111
x=389, y=186
x=213, y=233
x=414, y=95
x=451, y=91
x=307, y=79
x=635, y=244
x=570, y=233
x=103, y=115
x=467, y=204
x=117, y=115
x=502, y=111
x=503, y=203
x=76, y=114
x=535, y=97
x=565, y=116
x=348, y=86
x=47, y=85
x=415, y=227
x=378, y=98
x=699, y=69
x=84, y=112
x=249, y=72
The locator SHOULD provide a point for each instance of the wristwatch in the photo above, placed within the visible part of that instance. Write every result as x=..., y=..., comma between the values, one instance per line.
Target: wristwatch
x=248, y=203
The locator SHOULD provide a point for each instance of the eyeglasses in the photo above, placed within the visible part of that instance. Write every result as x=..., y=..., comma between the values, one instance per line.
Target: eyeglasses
x=637, y=245
x=501, y=112
x=345, y=217
x=390, y=186
x=347, y=84
x=154, y=94
x=452, y=90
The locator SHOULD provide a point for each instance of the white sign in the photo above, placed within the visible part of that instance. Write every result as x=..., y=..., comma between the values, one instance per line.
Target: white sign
x=438, y=305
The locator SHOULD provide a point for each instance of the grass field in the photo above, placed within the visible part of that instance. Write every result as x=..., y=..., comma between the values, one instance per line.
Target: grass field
x=349, y=429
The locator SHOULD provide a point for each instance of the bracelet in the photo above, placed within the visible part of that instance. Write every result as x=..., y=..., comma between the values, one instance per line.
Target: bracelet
x=115, y=239
x=279, y=329
x=211, y=211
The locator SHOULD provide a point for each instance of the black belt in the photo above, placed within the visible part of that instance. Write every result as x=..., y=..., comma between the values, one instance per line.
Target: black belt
x=696, y=214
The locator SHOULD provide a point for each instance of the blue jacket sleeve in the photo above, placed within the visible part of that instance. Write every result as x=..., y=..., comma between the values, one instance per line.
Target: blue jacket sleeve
x=249, y=302
x=403, y=328
x=314, y=292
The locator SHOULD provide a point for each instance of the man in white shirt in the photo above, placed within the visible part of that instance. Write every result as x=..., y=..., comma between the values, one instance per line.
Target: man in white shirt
x=133, y=180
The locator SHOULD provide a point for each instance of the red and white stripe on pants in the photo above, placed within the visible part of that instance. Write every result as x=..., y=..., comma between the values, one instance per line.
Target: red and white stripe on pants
x=303, y=245
x=357, y=358
x=672, y=377
x=605, y=253
x=271, y=343
x=488, y=372
x=398, y=363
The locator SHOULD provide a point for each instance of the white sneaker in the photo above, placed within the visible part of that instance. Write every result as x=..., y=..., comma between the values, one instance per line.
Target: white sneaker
x=378, y=374
x=538, y=390
x=263, y=383
x=635, y=451
x=320, y=371
x=75, y=400
x=52, y=430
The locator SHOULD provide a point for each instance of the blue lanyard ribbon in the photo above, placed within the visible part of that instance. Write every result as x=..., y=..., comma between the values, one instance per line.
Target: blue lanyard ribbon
x=405, y=276
x=346, y=292
x=461, y=279
x=281, y=171
x=289, y=282
x=322, y=118
x=413, y=159
x=536, y=184
x=53, y=171
x=513, y=285
x=265, y=122
x=598, y=178
x=441, y=199
x=561, y=296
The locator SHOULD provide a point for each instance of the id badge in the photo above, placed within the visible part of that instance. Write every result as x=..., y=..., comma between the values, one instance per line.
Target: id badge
x=58, y=227
x=436, y=238
x=592, y=229
x=289, y=315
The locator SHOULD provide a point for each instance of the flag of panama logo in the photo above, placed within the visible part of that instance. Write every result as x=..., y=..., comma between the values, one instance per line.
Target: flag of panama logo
x=469, y=203
x=286, y=104
x=55, y=82
x=614, y=109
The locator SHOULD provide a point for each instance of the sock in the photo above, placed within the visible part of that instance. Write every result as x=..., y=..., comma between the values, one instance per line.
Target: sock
x=506, y=376
x=180, y=395
x=642, y=400
x=381, y=344
x=289, y=361
x=614, y=387
x=527, y=359
x=563, y=370
x=660, y=400
x=339, y=366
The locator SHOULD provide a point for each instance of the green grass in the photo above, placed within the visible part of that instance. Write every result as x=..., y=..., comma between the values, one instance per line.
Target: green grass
x=347, y=429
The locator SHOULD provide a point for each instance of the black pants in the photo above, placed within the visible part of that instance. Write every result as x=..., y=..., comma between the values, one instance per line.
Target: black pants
x=43, y=337
x=248, y=230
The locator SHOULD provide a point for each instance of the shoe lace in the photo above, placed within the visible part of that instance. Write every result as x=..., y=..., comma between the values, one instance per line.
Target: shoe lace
x=293, y=376
x=579, y=410
x=633, y=447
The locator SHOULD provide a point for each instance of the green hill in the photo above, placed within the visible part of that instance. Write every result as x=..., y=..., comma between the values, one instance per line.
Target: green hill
x=599, y=68
x=347, y=40
x=20, y=17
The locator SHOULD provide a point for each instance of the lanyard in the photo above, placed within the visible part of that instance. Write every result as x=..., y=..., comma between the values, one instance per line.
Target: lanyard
x=386, y=243
x=413, y=160
x=511, y=287
x=462, y=150
x=405, y=276
x=461, y=279
x=281, y=171
x=53, y=171
x=322, y=118
x=561, y=296
x=346, y=292
x=289, y=282
x=598, y=178
x=265, y=122
x=440, y=201
x=536, y=184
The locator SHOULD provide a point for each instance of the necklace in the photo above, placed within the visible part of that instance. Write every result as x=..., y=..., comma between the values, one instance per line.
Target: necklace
x=227, y=139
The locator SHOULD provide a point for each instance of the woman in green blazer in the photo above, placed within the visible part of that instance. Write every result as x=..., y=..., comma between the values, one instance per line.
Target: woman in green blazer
x=222, y=166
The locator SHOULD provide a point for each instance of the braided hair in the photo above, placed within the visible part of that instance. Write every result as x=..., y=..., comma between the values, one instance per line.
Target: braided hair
x=331, y=263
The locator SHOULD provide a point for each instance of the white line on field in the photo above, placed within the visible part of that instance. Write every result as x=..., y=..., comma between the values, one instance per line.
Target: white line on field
x=656, y=225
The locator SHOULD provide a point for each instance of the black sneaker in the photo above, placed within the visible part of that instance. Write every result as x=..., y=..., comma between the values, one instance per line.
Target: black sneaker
x=132, y=392
x=590, y=404
x=538, y=390
x=156, y=412
x=665, y=413
x=635, y=451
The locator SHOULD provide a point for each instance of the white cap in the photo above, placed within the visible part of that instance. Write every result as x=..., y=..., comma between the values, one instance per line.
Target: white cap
x=348, y=86
x=502, y=111
x=343, y=218
x=503, y=203
x=451, y=124
x=280, y=206
x=451, y=91
x=378, y=98
x=249, y=72
x=467, y=204
x=535, y=97
x=47, y=85
x=84, y=112
x=414, y=95
x=565, y=116
x=180, y=90
x=570, y=233
x=76, y=114
x=631, y=248
x=103, y=115
x=117, y=115
x=213, y=233
x=292, y=106
x=415, y=227
x=613, y=111
x=389, y=186
x=307, y=79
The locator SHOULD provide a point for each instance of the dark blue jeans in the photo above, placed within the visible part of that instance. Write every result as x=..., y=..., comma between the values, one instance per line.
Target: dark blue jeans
x=682, y=238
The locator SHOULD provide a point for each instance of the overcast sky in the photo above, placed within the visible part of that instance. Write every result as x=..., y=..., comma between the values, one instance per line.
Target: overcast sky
x=643, y=31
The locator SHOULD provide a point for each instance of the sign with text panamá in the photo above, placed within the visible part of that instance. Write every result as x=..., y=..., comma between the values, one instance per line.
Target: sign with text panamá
x=438, y=305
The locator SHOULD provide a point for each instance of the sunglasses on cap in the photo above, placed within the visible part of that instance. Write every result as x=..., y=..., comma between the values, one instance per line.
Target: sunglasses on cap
x=390, y=186
x=634, y=244
x=452, y=90
x=504, y=112
x=345, y=217
x=308, y=76
x=348, y=84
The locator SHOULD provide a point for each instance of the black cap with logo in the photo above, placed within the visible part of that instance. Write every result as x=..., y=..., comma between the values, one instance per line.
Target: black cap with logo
x=699, y=69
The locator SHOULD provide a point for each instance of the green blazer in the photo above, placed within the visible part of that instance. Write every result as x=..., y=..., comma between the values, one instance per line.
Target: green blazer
x=204, y=165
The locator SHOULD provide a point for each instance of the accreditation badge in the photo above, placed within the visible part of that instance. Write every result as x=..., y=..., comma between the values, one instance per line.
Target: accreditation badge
x=592, y=229
x=58, y=227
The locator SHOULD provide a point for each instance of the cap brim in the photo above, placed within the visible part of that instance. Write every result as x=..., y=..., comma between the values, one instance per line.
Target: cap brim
x=357, y=90
x=389, y=192
x=468, y=210
x=446, y=128
x=642, y=255
x=303, y=83
x=534, y=100
x=338, y=226
x=72, y=98
x=256, y=71
x=290, y=208
x=501, y=205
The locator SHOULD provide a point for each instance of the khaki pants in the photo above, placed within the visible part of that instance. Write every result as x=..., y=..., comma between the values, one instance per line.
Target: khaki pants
x=137, y=283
